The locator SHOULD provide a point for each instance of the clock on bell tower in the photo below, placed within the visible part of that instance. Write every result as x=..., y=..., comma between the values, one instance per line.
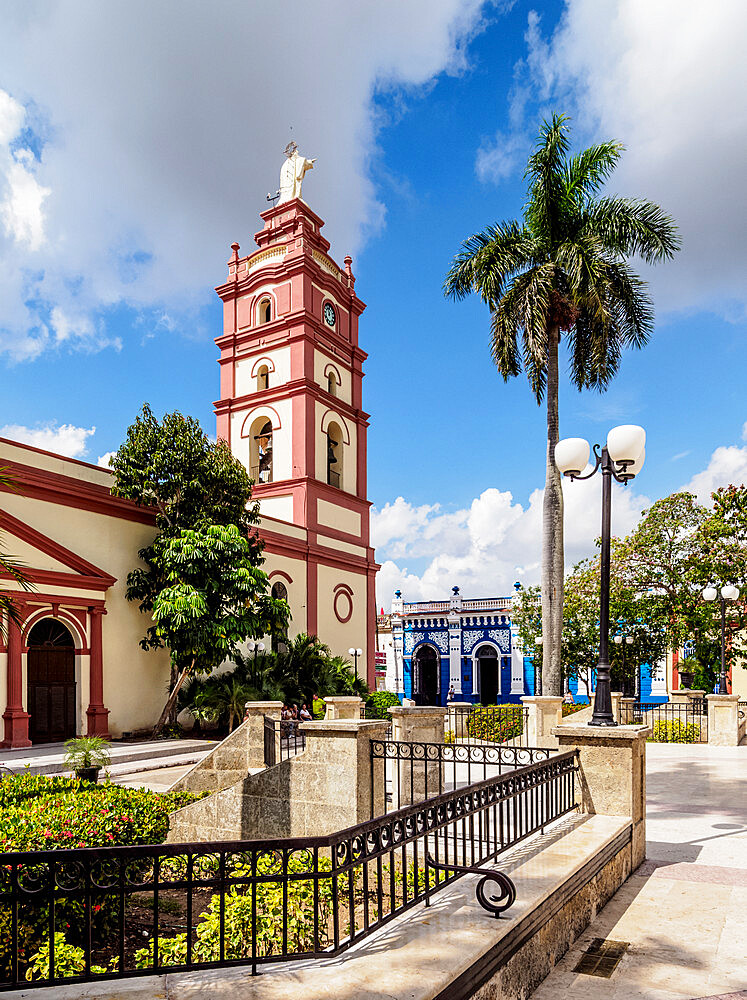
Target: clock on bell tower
x=291, y=410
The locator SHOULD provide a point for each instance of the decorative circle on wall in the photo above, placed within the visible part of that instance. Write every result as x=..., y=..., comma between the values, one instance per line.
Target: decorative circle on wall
x=342, y=603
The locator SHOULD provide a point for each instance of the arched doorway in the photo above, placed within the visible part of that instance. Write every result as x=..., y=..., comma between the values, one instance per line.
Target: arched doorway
x=51, y=682
x=487, y=665
x=426, y=676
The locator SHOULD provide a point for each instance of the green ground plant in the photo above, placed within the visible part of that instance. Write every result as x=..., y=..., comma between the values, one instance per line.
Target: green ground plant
x=496, y=723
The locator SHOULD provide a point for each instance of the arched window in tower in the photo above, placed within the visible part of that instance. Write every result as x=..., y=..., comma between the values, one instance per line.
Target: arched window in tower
x=279, y=592
x=263, y=378
x=332, y=384
x=265, y=311
x=334, y=456
x=260, y=464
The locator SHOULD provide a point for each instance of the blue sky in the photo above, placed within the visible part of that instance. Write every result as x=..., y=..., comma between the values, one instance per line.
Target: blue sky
x=124, y=180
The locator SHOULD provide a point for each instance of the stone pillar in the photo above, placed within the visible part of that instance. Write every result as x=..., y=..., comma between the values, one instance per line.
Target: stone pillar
x=545, y=712
x=616, y=696
x=723, y=720
x=15, y=719
x=254, y=739
x=333, y=782
x=627, y=711
x=343, y=707
x=679, y=697
x=456, y=720
x=97, y=713
x=612, y=778
x=455, y=652
x=414, y=774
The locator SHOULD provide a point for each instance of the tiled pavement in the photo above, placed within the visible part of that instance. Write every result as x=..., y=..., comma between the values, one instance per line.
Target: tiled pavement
x=684, y=912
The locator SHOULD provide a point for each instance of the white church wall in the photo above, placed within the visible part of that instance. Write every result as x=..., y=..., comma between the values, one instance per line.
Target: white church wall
x=279, y=358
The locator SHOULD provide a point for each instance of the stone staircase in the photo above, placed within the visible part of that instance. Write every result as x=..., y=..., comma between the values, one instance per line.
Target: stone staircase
x=126, y=758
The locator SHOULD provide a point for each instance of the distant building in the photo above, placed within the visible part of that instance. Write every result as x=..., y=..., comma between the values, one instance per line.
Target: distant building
x=468, y=645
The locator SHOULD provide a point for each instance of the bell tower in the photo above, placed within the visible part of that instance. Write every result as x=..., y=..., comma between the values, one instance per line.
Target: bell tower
x=291, y=375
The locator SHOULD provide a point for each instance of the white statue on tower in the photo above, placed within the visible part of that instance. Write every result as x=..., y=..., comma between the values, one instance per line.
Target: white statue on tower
x=291, y=173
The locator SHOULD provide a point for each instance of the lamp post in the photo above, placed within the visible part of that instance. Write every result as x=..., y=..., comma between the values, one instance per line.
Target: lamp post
x=355, y=653
x=727, y=593
x=257, y=647
x=620, y=459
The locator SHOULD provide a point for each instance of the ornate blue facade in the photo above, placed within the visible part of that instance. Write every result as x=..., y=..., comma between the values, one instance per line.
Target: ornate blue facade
x=467, y=645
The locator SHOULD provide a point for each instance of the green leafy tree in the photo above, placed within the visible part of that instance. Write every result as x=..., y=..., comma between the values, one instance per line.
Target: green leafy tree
x=207, y=555
x=214, y=599
x=563, y=271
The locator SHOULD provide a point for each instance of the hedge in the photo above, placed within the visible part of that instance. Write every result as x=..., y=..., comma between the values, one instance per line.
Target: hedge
x=496, y=723
x=379, y=702
x=675, y=732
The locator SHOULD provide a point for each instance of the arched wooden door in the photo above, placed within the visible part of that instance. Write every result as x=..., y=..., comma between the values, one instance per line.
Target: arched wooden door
x=51, y=682
x=426, y=676
x=487, y=664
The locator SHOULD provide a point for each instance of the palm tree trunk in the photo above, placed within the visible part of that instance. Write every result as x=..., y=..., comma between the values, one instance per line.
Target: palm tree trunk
x=552, y=536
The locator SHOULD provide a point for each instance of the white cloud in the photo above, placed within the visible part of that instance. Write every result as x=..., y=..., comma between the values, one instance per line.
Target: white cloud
x=103, y=460
x=65, y=439
x=485, y=547
x=160, y=136
x=668, y=79
x=727, y=466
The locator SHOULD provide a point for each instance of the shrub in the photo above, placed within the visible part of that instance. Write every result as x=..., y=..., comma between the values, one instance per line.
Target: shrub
x=41, y=813
x=496, y=723
x=87, y=751
x=378, y=702
x=675, y=732
x=570, y=709
x=449, y=736
x=68, y=961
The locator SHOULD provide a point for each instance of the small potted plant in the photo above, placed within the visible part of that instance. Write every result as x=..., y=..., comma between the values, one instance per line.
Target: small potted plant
x=86, y=755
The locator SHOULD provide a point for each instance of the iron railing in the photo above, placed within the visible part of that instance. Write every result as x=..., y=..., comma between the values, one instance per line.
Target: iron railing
x=413, y=772
x=672, y=722
x=283, y=739
x=507, y=724
x=144, y=910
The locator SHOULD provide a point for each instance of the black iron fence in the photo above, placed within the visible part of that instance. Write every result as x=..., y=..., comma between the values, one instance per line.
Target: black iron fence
x=413, y=772
x=108, y=913
x=487, y=723
x=672, y=722
x=283, y=739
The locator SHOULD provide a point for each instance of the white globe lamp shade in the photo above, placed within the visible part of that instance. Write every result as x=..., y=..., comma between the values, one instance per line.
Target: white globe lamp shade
x=730, y=592
x=359, y=652
x=572, y=455
x=626, y=442
x=351, y=651
x=629, y=640
x=260, y=646
x=538, y=641
x=618, y=639
x=635, y=468
x=710, y=594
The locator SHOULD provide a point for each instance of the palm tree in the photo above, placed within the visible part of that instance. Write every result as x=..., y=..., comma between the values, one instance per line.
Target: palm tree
x=564, y=269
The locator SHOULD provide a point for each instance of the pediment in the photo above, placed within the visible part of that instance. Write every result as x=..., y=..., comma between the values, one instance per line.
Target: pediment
x=44, y=560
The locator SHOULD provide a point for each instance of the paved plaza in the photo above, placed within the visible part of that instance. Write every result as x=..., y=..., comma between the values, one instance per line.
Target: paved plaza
x=684, y=912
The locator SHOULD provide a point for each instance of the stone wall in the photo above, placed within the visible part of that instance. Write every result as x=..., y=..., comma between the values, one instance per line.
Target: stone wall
x=324, y=789
x=235, y=757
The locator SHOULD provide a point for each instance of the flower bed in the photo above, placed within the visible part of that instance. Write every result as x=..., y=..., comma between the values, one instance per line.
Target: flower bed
x=496, y=723
x=41, y=813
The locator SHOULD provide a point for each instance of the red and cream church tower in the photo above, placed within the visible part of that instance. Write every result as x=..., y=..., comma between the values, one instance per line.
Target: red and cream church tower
x=291, y=374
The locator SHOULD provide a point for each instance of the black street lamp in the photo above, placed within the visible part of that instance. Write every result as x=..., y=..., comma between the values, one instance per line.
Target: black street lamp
x=727, y=593
x=620, y=459
x=355, y=653
x=257, y=647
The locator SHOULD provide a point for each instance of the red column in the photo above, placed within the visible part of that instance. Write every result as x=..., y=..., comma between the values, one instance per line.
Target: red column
x=15, y=719
x=98, y=715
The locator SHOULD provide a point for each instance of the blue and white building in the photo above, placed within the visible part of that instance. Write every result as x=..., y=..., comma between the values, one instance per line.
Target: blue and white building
x=467, y=645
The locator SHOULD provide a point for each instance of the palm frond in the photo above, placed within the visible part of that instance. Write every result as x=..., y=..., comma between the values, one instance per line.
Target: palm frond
x=487, y=260
x=587, y=172
x=546, y=174
x=634, y=226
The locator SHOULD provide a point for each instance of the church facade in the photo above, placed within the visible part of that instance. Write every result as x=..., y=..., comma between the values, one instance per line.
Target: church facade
x=468, y=646
x=290, y=407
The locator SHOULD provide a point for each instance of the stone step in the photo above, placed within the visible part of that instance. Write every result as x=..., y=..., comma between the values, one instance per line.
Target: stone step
x=146, y=756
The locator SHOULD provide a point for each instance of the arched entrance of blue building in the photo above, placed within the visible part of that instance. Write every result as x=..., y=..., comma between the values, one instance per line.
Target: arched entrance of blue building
x=487, y=669
x=426, y=664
